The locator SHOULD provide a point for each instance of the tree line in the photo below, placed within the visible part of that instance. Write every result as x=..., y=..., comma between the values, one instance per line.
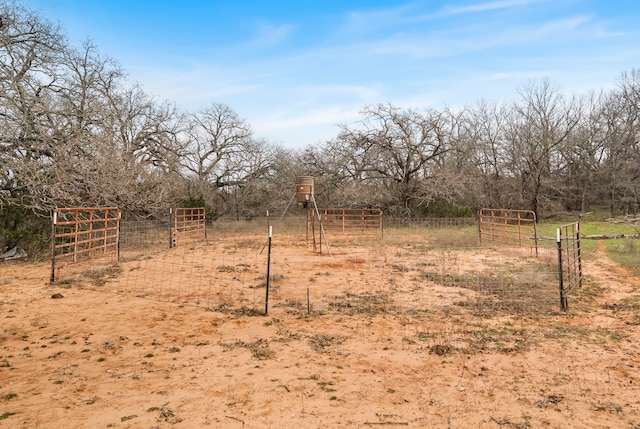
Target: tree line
x=75, y=132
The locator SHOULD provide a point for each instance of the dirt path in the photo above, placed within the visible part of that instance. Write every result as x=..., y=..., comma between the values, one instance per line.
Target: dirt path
x=618, y=290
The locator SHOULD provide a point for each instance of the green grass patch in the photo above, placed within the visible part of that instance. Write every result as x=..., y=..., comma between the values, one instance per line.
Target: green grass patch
x=423, y=336
x=549, y=229
x=597, y=336
x=604, y=336
x=626, y=252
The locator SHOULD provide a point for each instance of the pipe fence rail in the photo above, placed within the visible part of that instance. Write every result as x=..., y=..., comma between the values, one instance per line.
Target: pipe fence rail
x=350, y=221
x=83, y=233
x=189, y=224
x=569, y=262
x=508, y=227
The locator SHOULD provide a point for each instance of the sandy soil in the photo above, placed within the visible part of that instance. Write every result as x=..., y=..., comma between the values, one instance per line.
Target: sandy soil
x=97, y=359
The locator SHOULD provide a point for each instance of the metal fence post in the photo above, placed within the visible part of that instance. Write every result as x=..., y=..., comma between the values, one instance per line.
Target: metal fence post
x=53, y=247
x=266, y=300
x=563, y=301
x=171, y=244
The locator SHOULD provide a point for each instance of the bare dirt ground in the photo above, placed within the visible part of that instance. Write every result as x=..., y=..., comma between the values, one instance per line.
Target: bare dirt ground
x=97, y=359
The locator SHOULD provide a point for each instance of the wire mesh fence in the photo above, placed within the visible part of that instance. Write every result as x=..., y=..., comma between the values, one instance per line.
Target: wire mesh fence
x=147, y=235
x=396, y=275
x=419, y=223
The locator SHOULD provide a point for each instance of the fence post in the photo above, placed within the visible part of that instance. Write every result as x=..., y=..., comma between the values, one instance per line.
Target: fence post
x=563, y=301
x=75, y=234
x=535, y=232
x=266, y=300
x=118, y=233
x=170, y=228
x=52, y=279
x=579, y=254
x=203, y=212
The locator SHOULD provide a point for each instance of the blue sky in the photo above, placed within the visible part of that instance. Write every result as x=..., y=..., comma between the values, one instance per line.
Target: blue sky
x=295, y=69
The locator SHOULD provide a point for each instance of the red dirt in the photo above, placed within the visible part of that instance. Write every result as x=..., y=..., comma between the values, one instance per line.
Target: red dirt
x=97, y=359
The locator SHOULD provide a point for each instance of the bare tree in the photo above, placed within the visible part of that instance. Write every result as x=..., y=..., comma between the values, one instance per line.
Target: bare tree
x=71, y=133
x=396, y=151
x=483, y=146
x=245, y=189
x=225, y=160
x=30, y=49
x=140, y=151
x=622, y=144
x=542, y=121
x=214, y=136
x=583, y=155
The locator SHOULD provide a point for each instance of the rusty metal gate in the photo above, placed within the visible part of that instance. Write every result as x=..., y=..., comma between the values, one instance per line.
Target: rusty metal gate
x=348, y=221
x=81, y=233
x=189, y=224
x=510, y=227
x=569, y=261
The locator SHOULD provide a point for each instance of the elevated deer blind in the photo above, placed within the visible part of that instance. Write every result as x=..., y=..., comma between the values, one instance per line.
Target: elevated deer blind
x=80, y=234
x=189, y=224
x=569, y=261
x=510, y=227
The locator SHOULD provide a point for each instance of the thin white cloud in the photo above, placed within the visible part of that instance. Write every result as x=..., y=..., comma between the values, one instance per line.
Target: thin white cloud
x=370, y=20
x=562, y=25
x=411, y=12
x=196, y=86
x=486, y=6
x=359, y=92
x=519, y=76
x=299, y=128
x=270, y=35
x=328, y=115
x=320, y=107
x=466, y=40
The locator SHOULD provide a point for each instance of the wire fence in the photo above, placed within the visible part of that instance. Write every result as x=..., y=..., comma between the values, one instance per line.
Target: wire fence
x=419, y=223
x=396, y=275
